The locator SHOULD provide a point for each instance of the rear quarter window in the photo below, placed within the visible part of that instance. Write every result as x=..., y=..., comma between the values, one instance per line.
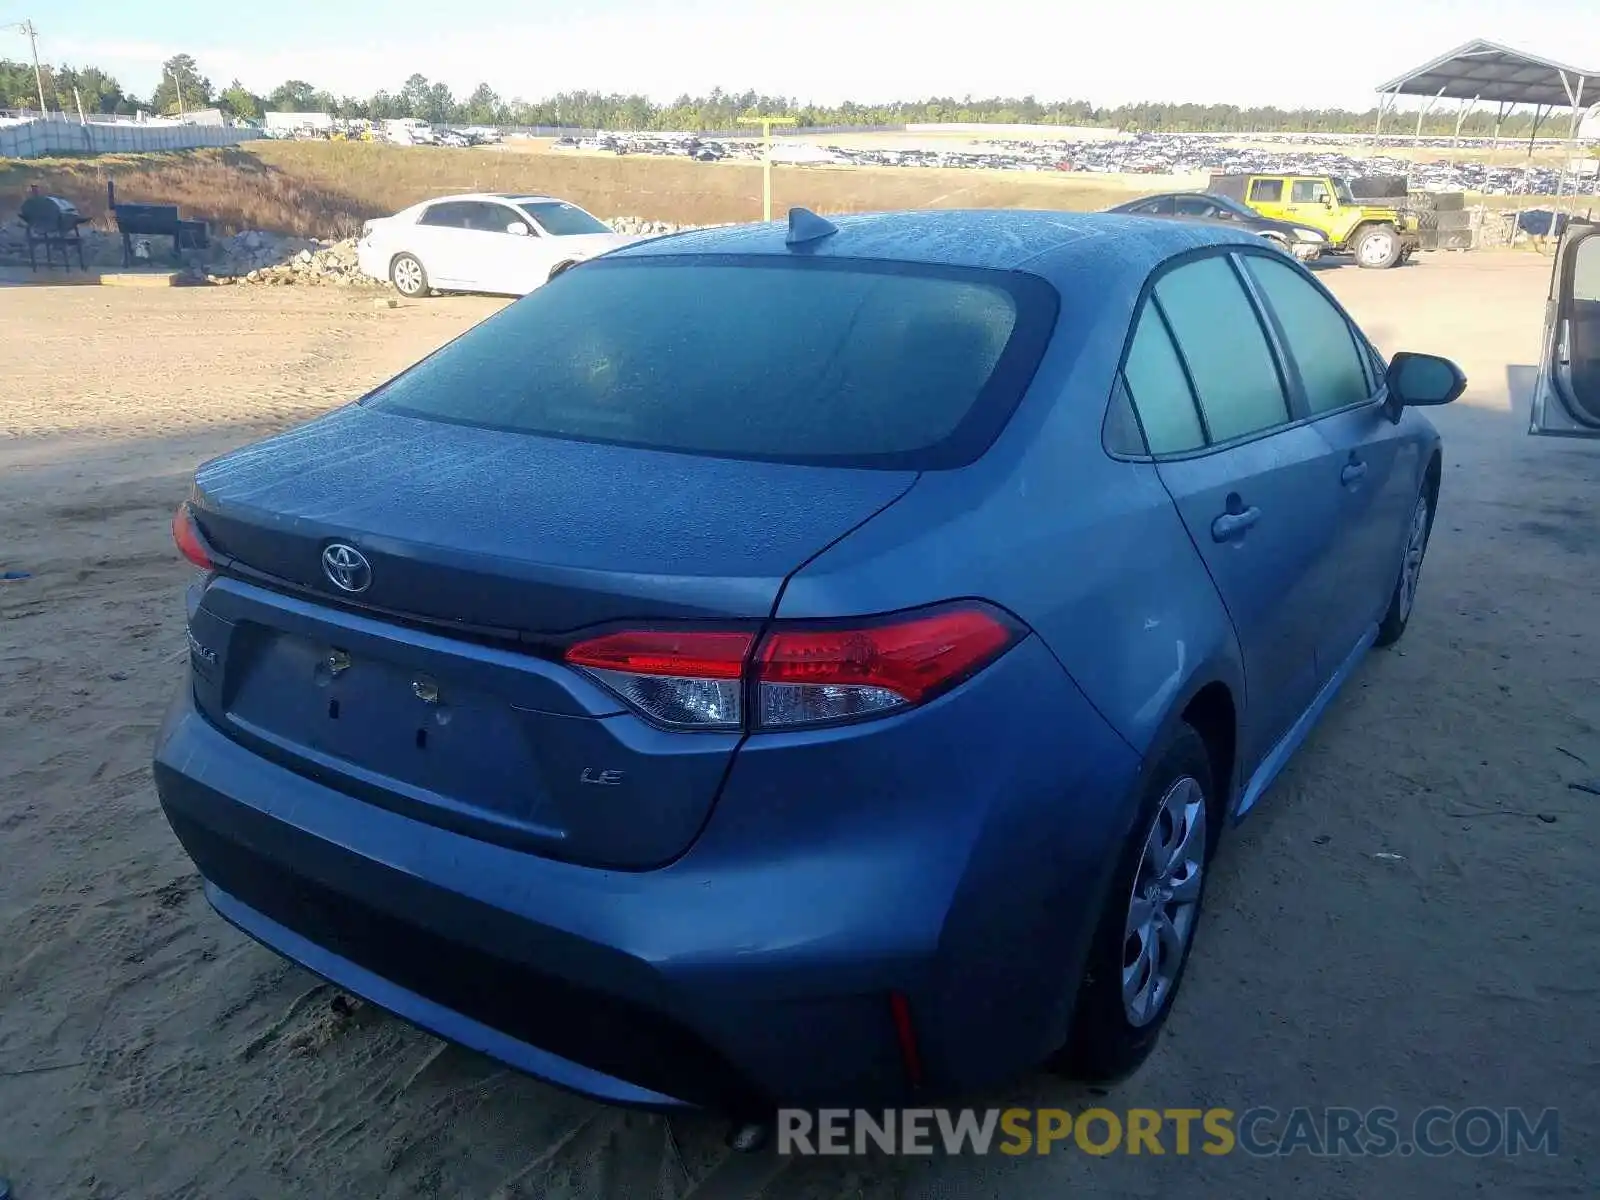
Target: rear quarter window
x=826, y=361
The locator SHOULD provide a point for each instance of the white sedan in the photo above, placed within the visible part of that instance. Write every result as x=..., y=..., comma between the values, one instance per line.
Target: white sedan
x=506, y=244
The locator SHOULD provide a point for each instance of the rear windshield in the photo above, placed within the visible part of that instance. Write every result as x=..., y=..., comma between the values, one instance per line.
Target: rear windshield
x=826, y=361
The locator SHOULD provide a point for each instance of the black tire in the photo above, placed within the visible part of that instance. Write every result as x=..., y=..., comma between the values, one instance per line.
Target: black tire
x=1401, y=606
x=1365, y=248
x=1105, y=1045
x=409, y=276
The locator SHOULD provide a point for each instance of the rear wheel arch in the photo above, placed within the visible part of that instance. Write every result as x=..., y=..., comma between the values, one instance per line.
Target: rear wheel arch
x=1212, y=714
x=1210, y=704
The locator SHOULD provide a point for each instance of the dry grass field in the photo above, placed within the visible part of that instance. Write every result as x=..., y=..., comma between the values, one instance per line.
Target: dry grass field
x=316, y=189
x=326, y=189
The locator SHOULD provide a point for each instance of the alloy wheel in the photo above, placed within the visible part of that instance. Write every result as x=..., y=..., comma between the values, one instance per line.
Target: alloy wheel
x=408, y=276
x=1416, y=546
x=1165, y=903
x=1376, y=248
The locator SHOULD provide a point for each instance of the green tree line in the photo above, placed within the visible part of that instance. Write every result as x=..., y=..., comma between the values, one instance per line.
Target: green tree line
x=184, y=85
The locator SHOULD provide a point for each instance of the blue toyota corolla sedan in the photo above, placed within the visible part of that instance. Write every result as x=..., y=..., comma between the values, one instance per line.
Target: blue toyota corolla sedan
x=798, y=663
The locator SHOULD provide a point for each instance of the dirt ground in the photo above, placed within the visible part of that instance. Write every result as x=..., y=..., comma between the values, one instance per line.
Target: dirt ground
x=1410, y=919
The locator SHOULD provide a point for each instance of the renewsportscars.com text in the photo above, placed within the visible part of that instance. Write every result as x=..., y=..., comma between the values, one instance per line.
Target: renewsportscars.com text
x=1260, y=1132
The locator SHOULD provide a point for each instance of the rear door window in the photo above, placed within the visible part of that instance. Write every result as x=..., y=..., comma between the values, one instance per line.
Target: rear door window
x=1266, y=191
x=1220, y=338
x=1317, y=334
x=451, y=215
x=827, y=361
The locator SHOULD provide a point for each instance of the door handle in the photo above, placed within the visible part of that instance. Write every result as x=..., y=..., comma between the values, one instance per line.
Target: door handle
x=1233, y=524
x=1353, y=471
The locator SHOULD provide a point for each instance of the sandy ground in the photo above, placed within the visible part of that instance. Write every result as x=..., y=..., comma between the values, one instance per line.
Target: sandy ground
x=147, y=1050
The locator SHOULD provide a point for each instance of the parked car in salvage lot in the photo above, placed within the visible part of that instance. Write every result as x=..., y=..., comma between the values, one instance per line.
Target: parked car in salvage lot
x=1302, y=241
x=500, y=243
x=1566, y=397
x=798, y=666
x=1378, y=235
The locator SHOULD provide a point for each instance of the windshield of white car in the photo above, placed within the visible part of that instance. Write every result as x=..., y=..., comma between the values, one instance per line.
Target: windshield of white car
x=849, y=363
x=560, y=219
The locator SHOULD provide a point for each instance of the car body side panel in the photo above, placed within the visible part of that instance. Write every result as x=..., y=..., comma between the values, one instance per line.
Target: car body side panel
x=1087, y=549
x=1374, y=514
x=1270, y=578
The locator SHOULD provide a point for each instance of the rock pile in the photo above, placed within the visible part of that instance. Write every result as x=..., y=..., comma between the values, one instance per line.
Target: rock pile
x=257, y=257
x=639, y=227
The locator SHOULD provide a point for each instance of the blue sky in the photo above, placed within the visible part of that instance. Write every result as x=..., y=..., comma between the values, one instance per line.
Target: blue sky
x=1239, y=51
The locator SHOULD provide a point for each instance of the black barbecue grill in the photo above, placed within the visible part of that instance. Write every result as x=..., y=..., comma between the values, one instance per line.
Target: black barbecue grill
x=155, y=220
x=52, y=222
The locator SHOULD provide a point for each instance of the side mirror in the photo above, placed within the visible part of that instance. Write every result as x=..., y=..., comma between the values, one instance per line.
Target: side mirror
x=1327, y=202
x=517, y=227
x=1423, y=381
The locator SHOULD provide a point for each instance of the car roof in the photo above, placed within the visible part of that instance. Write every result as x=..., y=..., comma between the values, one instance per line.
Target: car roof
x=501, y=197
x=1171, y=196
x=1117, y=246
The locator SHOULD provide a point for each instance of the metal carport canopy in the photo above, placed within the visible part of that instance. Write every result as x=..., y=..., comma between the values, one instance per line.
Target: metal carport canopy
x=1487, y=71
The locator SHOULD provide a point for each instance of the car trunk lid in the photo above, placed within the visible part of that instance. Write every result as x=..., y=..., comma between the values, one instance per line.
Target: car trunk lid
x=434, y=689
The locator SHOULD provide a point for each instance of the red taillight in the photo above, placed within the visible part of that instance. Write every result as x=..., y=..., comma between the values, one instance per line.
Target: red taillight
x=799, y=675
x=684, y=653
x=685, y=679
x=187, y=536
x=809, y=676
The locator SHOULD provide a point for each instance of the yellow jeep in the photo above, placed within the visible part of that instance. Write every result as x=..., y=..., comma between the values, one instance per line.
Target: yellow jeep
x=1378, y=236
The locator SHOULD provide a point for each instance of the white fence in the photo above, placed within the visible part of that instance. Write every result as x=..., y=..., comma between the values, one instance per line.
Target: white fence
x=35, y=139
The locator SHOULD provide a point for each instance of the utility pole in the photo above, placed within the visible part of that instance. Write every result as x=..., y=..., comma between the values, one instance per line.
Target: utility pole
x=766, y=124
x=177, y=86
x=31, y=31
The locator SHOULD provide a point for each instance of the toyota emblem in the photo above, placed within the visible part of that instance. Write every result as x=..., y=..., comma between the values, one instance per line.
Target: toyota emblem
x=346, y=568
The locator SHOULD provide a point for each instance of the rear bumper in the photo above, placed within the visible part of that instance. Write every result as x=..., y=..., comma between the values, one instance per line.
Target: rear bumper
x=370, y=261
x=754, y=971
